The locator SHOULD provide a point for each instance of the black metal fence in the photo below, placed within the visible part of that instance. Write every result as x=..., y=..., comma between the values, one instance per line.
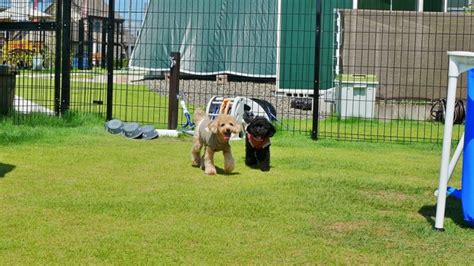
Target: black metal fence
x=390, y=71
x=56, y=64
x=28, y=47
x=376, y=71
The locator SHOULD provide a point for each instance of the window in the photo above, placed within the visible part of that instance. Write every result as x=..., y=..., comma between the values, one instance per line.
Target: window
x=375, y=4
x=407, y=5
x=458, y=5
x=433, y=6
x=97, y=26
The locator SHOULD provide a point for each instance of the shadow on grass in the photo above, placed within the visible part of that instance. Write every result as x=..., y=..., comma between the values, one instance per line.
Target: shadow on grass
x=453, y=212
x=5, y=169
x=220, y=171
x=257, y=167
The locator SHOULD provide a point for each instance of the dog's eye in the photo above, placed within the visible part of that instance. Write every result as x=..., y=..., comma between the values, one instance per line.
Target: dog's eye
x=231, y=124
x=222, y=125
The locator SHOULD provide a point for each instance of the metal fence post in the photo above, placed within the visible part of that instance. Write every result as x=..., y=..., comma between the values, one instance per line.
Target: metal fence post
x=174, y=90
x=90, y=41
x=66, y=59
x=104, y=48
x=80, y=52
x=110, y=59
x=57, y=62
x=317, y=68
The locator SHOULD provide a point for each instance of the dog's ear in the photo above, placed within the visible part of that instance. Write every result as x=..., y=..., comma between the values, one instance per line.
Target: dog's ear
x=248, y=117
x=272, y=130
x=237, y=127
x=213, y=127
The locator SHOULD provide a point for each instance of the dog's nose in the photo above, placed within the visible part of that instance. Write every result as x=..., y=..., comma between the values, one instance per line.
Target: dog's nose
x=228, y=130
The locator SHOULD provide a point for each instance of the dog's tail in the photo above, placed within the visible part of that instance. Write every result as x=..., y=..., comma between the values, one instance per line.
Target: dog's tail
x=199, y=115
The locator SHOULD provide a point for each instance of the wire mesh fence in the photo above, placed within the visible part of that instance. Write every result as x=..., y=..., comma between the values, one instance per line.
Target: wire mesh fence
x=389, y=73
x=27, y=54
x=371, y=70
x=228, y=49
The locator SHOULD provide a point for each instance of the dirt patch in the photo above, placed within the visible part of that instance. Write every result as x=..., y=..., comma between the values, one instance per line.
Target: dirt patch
x=355, y=226
x=391, y=196
x=348, y=227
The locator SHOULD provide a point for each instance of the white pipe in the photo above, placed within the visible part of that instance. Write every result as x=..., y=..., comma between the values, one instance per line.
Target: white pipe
x=456, y=156
x=454, y=160
x=167, y=132
x=445, y=6
x=129, y=48
x=278, y=46
x=338, y=42
x=355, y=4
x=420, y=5
x=448, y=131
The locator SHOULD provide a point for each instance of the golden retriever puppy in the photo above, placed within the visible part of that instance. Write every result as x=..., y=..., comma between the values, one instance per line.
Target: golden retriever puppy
x=214, y=136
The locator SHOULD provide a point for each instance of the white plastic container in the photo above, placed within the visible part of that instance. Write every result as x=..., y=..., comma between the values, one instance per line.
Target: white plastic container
x=355, y=95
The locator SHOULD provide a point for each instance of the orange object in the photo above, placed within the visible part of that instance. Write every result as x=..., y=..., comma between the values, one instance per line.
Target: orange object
x=23, y=45
x=225, y=106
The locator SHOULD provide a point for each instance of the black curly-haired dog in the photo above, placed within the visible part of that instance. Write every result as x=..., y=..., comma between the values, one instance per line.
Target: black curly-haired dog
x=257, y=141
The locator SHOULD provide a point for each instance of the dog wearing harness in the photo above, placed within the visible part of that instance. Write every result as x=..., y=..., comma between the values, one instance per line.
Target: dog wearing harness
x=214, y=136
x=257, y=141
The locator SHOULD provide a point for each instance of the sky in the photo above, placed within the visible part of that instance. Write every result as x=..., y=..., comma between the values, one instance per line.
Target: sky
x=138, y=7
x=136, y=14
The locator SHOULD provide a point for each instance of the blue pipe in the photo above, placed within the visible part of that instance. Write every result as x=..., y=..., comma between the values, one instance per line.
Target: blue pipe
x=467, y=193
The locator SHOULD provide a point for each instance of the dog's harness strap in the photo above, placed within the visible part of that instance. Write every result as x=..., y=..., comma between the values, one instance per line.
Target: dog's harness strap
x=258, y=144
x=209, y=139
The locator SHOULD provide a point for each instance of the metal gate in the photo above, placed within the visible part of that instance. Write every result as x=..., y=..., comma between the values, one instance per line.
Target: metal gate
x=88, y=56
x=51, y=48
x=30, y=44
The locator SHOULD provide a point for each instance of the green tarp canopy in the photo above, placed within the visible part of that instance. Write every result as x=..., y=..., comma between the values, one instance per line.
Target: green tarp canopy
x=213, y=36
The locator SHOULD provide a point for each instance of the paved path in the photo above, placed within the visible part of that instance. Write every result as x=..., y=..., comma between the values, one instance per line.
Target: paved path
x=24, y=106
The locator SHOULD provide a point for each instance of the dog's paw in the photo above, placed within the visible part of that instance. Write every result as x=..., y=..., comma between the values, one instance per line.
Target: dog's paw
x=229, y=168
x=265, y=166
x=250, y=162
x=202, y=165
x=196, y=163
x=229, y=165
x=210, y=171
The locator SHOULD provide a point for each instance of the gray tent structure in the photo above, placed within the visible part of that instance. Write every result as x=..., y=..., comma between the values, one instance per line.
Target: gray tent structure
x=250, y=38
x=213, y=36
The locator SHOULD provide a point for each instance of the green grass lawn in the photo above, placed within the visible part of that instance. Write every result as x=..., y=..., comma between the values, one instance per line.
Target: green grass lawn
x=132, y=102
x=373, y=130
x=72, y=193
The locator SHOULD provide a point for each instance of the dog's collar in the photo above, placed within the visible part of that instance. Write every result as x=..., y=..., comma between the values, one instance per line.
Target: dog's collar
x=258, y=144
